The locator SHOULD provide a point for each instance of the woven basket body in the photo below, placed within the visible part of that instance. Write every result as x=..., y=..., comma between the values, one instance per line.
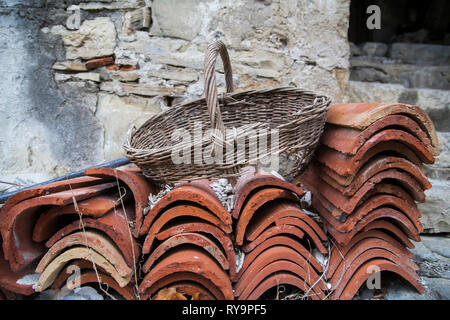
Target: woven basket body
x=216, y=136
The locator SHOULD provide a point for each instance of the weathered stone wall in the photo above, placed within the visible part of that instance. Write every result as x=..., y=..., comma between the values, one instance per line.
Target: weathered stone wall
x=57, y=116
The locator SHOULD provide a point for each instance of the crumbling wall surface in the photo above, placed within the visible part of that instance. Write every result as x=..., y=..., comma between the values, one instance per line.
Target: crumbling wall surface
x=58, y=116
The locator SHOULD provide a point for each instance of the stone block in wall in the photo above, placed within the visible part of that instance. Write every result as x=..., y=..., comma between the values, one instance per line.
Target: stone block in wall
x=421, y=54
x=374, y=69
x=95, y=38
x=139, y=19
x=142, y=89
x=117, y=115
x=111, y=4
x=377, y=49
x=177, y=18
x=434, y=102
x=70, y=65
x=436, y=210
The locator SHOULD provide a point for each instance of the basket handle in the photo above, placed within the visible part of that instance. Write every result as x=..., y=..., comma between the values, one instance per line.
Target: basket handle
x=212, y=101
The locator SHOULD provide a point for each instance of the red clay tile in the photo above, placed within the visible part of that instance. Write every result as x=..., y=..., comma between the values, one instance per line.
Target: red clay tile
x=338, y=265
x=140, y=187
x=186, y=194
x=68, y=270
x=53, y=269
x=280, y=240
x=367, y=251
x=179, y=277
x=47, y=189
x=95, y=240
x=113, y=224
x=189, y=260
x=350, y=184
x=348, y=140
x=273, y=231
x=209, y=230
x=382, y=195
x=277, y=254
x=369, y=188
x=362, y=115
x=284, y=212
x=56, y=218
x=386, y=225
x=345, y=273
x=251, y=181
x=364, y=272
x=183, y=239
x=275, y=280
x=271, y=212
x=340, y=251
x=17, y=230
x=99, y=62
x=345, y=165
x=8, y=278
x=176, y=212
x=250, y=281
x=91, y=277
x=257, y=200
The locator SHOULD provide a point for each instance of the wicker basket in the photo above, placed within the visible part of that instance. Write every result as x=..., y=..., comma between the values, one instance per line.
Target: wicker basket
x=296, y=117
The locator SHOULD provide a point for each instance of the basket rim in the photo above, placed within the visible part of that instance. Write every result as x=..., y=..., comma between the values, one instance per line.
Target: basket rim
x=134, y=152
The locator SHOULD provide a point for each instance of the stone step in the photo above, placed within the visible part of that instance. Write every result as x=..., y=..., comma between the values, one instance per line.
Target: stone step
x=422, y=54
x=433, y=101
x=376, y=69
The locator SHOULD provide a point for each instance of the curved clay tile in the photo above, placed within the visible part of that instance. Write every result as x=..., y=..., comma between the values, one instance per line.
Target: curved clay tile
x=207, y=229
x=68, y=271
x=46, y=189
x=349, y=140
x=183, y=239
x=362, y=115
x=278, y=279
x=189, y=260
x=126, y=292
x=178, y=277
x=17, y=229
x=395, y=255
x=8, y=278
x=273, y=231
x=342, y=276
x=251, y=181
x=53, y=219
x=248, y=283
x=363, y=273
x=94, y=240
x=140, y=187
x=382, y=213
x=350, y=184
x=256, y=201
x=177, y=212
x=340, y=251
x=409, y=210
x=345, y=165
x=56, y=265
x=194, y=290
x=408, y=182
x=186, y=194
x=114, y=224
x=278, y=212
x=277, y=253
x=280, y=240
x=349, y=204
x=386, y=225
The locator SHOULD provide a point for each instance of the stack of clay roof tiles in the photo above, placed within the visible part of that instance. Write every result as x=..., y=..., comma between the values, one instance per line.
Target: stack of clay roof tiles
x=133, y=239
x=366, y=178
x=88, y=221
x=101, y=223
x=277, y=238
